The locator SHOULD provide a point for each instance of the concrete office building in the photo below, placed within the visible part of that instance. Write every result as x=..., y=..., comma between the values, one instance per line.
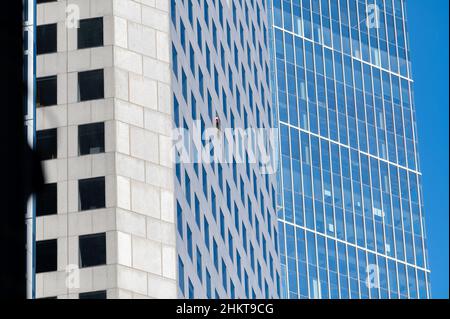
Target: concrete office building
x=117, y=217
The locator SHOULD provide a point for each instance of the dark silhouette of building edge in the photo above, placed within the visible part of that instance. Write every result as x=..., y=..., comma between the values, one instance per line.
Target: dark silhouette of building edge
x=21, y=174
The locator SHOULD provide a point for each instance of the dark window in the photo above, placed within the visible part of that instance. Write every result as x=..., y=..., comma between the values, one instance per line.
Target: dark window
x=90, y=33
x=91, y=138
x=46, y=144
x=46, y=255
x=90, y=85
x=46, y=38
x=46, y=91
x=92, y=250
x=101, y=294
x=45, y=1
x=91, y=193
x=46, y=200
x=25, y=39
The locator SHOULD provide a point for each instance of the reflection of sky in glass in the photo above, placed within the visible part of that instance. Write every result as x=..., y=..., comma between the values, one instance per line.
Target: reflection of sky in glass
x=352, y=219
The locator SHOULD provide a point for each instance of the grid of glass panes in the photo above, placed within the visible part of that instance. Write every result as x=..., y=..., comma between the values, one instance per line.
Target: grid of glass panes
x=351, y=200
x=226, y=220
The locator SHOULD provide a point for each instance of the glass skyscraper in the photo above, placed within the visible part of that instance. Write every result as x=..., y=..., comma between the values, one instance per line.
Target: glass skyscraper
x=350, y=205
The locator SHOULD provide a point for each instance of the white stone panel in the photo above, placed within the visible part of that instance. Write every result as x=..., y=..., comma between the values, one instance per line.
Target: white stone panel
x=130, y=10
x=158, y=122
x=145, y=199
x=169, y=257
x=122, y=138
x=132, y=279
x=127, y=60
x=123, y=194
x=155, y=19
x=146, y=255
x=131, y=223
x=159, y=176
x=129, y=113
x=157, y=70
x=124, y=249
x=143, y=144
x=141, y=39
x=159, y=287
x=130, y=167
x=143, y=91
x=120, y=32
x=167, y=206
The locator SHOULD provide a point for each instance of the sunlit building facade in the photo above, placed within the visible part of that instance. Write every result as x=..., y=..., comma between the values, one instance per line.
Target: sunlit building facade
x=226, y=221
x=121, y=214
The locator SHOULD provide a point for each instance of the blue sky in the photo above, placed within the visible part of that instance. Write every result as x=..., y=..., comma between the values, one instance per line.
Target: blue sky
x=428, y=34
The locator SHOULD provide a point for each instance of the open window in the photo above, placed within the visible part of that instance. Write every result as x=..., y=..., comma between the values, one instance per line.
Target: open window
x=91, y=193
x=46, y=255
x=46, y=144
x=46, y=88
x=91, y=85
x=46, y=38
x=46, y=200
x=92, y=250
x=90, y=33
x=91, y=138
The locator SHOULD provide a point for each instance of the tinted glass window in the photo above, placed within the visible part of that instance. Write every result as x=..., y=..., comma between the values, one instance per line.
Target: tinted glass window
x=46, y=200
x=91, y=138
x=46, y=144
x=46, y=91
x=91, y=193
x=93, y=295
x=90, y=85
x=90, y=33
x=92, y=250
x=46, y=38
x=46, y=255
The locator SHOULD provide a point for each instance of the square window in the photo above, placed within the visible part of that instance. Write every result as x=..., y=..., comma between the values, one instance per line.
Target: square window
x=91, y=193
x=90, y=85
x=91, y=138
x=101, y=294
x=46, y=200
x=46, y=38
x=90, y=33
x=46, y=255
x=46, y=144
x=46, y=88
x=92, y=250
